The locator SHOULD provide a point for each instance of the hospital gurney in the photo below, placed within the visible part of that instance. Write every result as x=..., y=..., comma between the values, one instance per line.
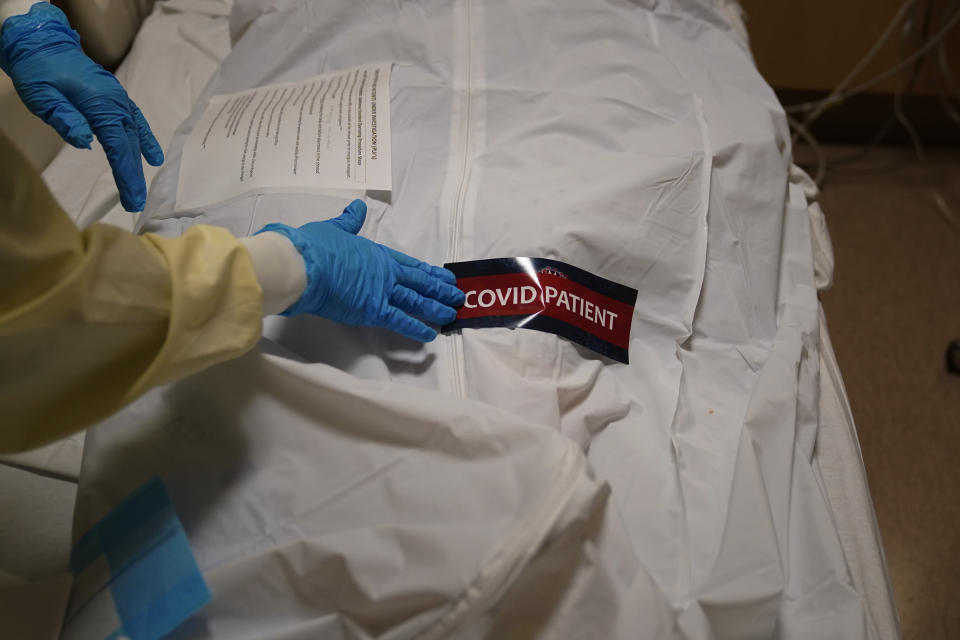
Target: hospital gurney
x=667, y=436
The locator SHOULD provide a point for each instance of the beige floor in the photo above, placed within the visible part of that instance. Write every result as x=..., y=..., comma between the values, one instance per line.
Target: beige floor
x=894, y=306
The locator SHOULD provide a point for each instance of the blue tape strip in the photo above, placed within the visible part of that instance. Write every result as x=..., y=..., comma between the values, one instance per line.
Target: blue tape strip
x=155, y=581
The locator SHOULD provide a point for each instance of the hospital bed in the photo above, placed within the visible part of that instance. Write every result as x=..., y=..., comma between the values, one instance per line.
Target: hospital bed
x=689, y=442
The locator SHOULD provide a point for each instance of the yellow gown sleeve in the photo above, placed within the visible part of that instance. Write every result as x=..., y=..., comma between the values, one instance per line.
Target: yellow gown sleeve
x=90, y=320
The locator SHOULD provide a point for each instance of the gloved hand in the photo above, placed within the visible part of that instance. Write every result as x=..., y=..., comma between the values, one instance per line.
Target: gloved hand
x=356, y=281
x=77, y=97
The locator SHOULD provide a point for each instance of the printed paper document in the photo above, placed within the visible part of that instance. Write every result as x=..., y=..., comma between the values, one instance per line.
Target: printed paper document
x=330, y=131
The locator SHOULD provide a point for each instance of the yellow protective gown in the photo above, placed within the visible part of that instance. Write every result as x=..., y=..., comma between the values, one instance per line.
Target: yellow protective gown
x=90, y=320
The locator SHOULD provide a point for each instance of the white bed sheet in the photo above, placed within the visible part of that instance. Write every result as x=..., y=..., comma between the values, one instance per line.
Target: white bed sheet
x=166, y=84
x=839, y=461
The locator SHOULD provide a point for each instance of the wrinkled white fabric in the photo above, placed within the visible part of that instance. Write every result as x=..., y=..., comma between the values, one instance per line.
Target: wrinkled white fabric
x=342, y=482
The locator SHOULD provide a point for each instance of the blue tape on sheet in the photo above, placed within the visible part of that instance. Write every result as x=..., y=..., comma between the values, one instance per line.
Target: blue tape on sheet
x=155, y=581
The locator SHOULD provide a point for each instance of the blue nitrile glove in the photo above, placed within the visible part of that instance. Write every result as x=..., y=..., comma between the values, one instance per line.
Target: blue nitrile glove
x=77, y=97
x=356, y=281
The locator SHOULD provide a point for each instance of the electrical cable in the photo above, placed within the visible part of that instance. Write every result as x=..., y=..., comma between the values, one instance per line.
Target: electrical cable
x=885, y=128
x=911, y=83
x=906, y=124
x=952, y=113
x=919, y=53
x=821, y=105
x=802, y=128
x=874, y=142
x=804, y=133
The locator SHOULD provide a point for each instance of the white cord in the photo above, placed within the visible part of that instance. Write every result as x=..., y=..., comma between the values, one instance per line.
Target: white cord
x=836, y=94
x=905, y=122
x=804, y=133
x=949, y=108
x=839, y=93
x=862, y=63
x=916, y=55
x=945, y=68
x=929, y=44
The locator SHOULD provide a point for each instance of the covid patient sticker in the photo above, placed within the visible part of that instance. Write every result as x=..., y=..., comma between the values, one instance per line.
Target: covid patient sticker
x=546, y=295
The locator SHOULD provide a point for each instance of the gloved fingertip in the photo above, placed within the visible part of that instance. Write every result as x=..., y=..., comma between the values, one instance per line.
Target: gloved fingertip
x=446, y=275
x=449, y=315
x=153, y=155
x=79, y=136
x=131, y=202
x=352, y=218
x=134, y=206
x=132, y=196
x=451, y=296
x=399, y=322
x=150, y=148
